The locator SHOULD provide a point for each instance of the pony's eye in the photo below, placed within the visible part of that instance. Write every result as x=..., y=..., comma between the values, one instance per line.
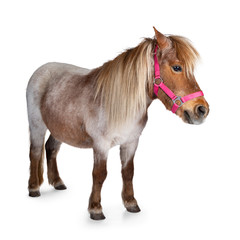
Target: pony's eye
x=177, y=68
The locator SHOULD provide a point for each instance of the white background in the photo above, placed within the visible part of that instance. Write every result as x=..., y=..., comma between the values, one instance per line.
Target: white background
x=186, y=177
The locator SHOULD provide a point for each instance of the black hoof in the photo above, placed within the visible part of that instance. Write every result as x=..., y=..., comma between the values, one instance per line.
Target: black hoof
x=61, y=187
x=34, y=194
x=97, y=216
x=133, y=209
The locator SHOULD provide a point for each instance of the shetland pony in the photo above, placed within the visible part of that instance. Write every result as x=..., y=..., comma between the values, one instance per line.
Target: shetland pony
x=107, y=106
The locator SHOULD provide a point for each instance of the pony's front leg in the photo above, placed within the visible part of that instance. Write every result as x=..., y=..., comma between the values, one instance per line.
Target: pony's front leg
x=127, y=152
x=99, y=175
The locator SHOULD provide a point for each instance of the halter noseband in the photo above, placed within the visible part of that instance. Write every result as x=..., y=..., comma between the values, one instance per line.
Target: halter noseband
x=174, y=98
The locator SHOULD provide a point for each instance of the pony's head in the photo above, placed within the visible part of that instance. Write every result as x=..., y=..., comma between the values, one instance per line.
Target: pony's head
x=176, y=57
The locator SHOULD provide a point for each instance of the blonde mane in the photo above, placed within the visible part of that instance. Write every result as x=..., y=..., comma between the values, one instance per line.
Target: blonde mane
x=122, y=82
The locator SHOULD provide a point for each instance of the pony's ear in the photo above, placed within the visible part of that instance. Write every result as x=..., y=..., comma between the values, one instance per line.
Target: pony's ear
x=161, y=39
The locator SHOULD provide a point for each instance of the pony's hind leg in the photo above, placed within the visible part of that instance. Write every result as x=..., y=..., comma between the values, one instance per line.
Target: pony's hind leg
x=127, y=153
x=36, y=159
x=37, y=130
x=52, y=147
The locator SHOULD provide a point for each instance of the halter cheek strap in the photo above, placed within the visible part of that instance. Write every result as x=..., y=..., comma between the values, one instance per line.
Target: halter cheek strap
x=177, y=100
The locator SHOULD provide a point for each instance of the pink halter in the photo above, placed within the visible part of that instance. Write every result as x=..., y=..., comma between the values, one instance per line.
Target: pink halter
x=165, y=89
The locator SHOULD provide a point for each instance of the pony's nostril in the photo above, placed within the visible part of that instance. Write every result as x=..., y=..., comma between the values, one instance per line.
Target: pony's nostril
x=201, y=111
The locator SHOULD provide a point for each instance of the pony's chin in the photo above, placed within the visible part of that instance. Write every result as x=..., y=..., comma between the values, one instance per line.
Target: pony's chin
x=190, y=118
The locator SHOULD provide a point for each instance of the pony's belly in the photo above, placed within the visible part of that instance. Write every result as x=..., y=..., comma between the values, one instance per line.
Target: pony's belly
x=81, y=141
x=72, y=134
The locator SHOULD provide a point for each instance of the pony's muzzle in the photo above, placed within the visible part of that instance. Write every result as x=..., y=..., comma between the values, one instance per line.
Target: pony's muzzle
x=197, y=116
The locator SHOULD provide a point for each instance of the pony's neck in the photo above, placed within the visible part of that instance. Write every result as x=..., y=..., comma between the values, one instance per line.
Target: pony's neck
x=123, y=84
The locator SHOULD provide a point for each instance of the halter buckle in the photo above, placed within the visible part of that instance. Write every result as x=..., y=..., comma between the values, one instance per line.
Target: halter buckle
x=178, y=98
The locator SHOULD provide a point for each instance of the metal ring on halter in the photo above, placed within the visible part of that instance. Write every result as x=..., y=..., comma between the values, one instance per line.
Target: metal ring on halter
x=154, y=81
x=178, y=98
